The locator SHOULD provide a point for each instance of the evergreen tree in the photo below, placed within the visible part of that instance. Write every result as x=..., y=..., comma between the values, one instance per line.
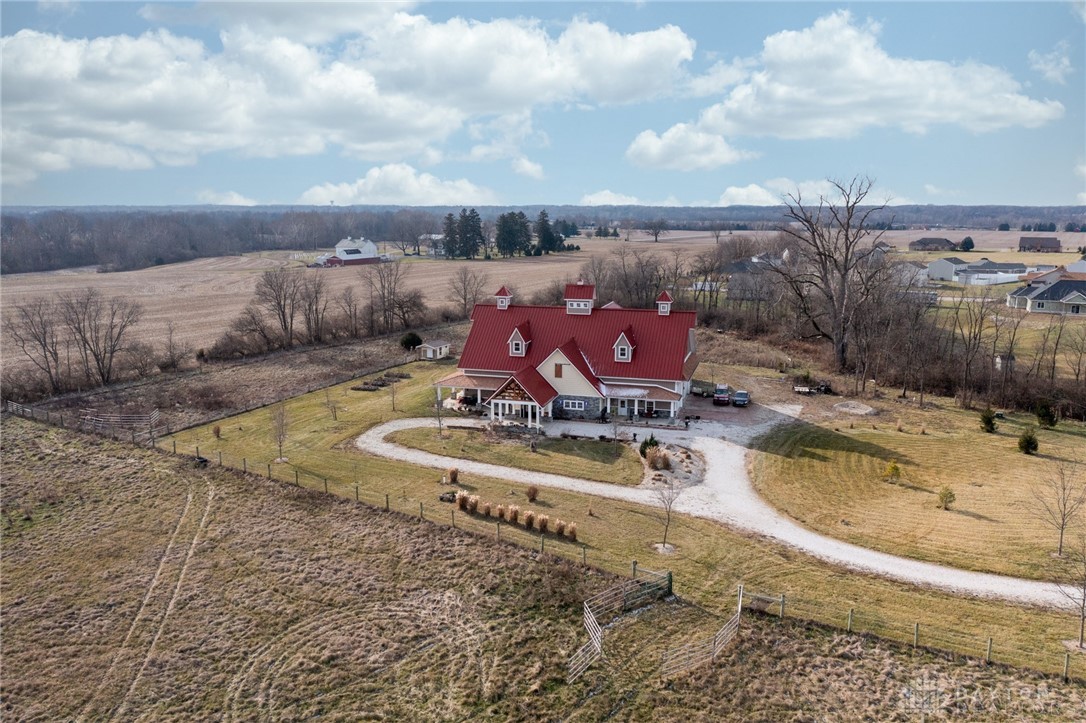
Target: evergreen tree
x=514, y=234
x=451, y=229
x=470, y=230
x=546, y=238
x=966, y=244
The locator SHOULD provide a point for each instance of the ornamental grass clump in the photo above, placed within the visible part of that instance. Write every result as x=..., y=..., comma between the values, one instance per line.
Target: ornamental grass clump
x=453, y=475
x=486, y=509
x=571, y=531
x=529, y=520
x=560, y=528
x=462, y=500
x=658, y=458
x=533, y=493
x=500, y=512
x=473, y=504
x=544, y=522
x=512, y=514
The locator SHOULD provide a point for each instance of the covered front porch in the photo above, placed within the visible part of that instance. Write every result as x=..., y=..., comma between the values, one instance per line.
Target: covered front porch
x=470, y=390
x=642, y=402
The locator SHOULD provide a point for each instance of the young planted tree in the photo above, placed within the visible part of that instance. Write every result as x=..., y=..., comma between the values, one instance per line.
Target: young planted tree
x=666, y=495
x=1059, y=497
x=280, y=426
x=1071, y=580
x=946, y=498
x=1027, y=441
x=988, y=420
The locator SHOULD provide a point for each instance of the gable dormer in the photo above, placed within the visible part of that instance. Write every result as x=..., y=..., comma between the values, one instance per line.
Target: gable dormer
x=624, y=345
x=663, y=303
x=519, y=340
x=503, y=296
x=580, y=298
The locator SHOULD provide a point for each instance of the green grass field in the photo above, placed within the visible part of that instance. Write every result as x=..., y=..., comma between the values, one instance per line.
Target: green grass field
x=592, y=459
x=709, y=562
x=831, y=477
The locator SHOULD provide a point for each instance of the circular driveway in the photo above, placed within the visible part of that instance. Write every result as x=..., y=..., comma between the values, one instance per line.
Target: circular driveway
x=726, y=495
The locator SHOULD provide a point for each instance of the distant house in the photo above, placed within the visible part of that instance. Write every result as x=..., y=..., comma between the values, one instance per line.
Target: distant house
x=437, y=349
x=1039, y=244
x=883, y=247
x=945, y=269
x=434, y=243
x=1058, y=291
x=747, y=280
x=351, y=252
x=910, y=273
x=932, y=244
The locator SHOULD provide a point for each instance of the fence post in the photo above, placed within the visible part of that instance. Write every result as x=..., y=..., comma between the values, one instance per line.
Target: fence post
x=296, y=477
x=1066, y=667
x=244, y=466
x=420, y=511
x=739, y=609
x=541, y=543
x=452, y=516
x=325, y=485
x=782, y=606
x=175, y=446
x=197, y=450
x=988, y=655
x=133, y=436
x=356, y=496
x=269, y=471
x=152, y=439
x=584, y=554
x=498, y=534
x=633, y=569
x=850, y=610
x=669, y=590
x=916, y=635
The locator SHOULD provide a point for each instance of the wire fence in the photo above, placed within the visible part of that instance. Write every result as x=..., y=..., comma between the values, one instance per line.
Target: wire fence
x=1053, y=658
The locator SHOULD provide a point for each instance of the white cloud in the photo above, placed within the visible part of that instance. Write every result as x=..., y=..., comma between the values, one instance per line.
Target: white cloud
x=682, y=148
x=933, y=190
x=1054, y=66
x=608, y=198
x=395, y=90
x=225, y=198
x=1079, y=7
x=528, y=168
x=399, y=183
x=719, y=77
x=1080, y=169
x=749, y=195
x=833, y=80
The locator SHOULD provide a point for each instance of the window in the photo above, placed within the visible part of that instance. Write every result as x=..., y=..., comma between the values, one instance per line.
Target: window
x=622, y=353
x=516, y=348
x=1075, y=309
x=573, y=405
x=1040, y=304
x=557, y=371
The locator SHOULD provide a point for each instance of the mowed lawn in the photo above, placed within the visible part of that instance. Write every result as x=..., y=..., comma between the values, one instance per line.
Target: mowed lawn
x=709, y=561
x=581, y=458
x=830, y=476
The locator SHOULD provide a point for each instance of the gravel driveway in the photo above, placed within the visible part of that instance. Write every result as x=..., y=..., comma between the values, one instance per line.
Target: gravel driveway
x=727, y=496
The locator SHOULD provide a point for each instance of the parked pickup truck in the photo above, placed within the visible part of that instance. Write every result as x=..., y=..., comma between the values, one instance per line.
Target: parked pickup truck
x=722, y=396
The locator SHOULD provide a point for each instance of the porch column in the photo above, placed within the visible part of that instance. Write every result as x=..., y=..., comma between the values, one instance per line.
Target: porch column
x=492, y=411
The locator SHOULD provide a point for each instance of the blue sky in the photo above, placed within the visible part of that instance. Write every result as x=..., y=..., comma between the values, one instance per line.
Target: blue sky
x=707, y=103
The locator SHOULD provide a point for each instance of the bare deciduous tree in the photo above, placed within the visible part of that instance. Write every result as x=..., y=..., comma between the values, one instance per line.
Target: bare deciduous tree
x=1071, y=582
x=657, y=227
x=99, y=327
x=313, y=299
x=386, y=287
x=828, y=271
x=36, y=328
x=174, y=353
x=280, y=426
x=971, y=320
x=350, y=313
x=666, y=495
x=278, y=292
x=1059, y=497
x=466, y=287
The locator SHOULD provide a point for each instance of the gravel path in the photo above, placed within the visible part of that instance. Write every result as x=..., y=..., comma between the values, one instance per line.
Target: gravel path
x=728, y=496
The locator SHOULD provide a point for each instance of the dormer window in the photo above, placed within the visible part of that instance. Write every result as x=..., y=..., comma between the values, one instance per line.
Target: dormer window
x=622, y=353
x=516, y=348
x=624, y=346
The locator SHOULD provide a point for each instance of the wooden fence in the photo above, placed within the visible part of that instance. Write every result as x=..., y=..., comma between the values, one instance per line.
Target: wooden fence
x=704, y=650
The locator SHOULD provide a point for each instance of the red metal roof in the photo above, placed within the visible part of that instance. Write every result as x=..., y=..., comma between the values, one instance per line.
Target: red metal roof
x=660, y=354
x=580, y=292
x=531, y=381
x=503, y=292
x=665, y=297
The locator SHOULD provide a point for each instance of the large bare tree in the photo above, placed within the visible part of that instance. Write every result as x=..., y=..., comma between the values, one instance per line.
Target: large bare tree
x=36, y=328
x=828, y=269
x=386, y=286
x=100, y=328
x=278, y=292
x=466, y=287
x=313, y=297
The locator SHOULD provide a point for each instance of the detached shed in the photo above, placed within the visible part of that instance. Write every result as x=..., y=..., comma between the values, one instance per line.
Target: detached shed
x=432, y=350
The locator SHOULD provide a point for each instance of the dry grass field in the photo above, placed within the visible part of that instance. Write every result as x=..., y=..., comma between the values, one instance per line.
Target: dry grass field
x=203, y=296
x=709, y=560
x=136, y=587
